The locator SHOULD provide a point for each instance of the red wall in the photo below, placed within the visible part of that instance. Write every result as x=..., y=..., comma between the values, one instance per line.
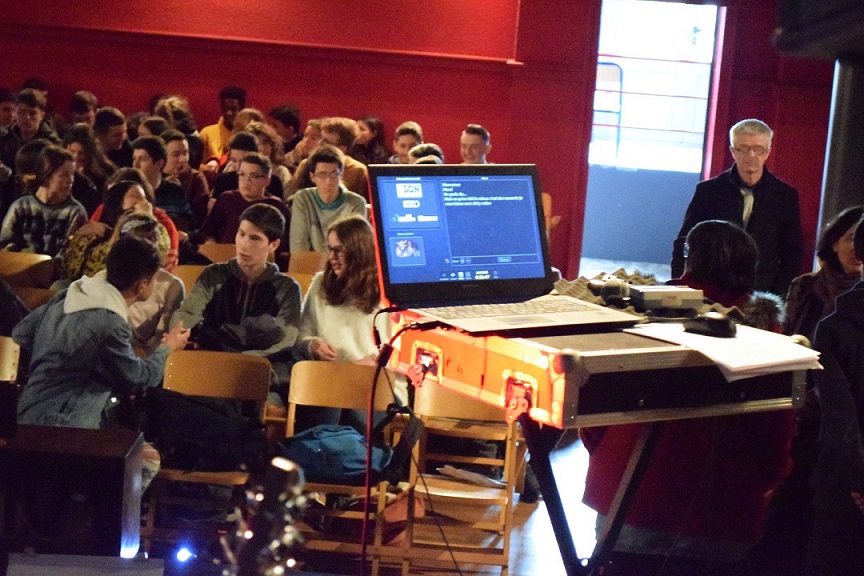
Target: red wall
x=524, y=69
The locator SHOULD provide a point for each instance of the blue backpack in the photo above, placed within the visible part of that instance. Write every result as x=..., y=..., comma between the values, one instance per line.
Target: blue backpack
x=337, y=454
x=332, y=453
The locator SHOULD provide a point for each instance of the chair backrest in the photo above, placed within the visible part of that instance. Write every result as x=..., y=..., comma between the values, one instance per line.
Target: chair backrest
x=436, y=401
x=335, y=385
x=217, y=252
x=304, y=279
x=9, y=355
x=218, y=374
x=27, y=269
x=308, y=262
x=188, y=273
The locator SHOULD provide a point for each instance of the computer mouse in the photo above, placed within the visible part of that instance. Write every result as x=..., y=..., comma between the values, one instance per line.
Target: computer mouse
x=711, y=324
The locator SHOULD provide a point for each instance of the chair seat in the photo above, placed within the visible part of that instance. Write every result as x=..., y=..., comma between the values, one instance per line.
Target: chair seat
x=443, y=487
x=233, y=478
x=466, y=429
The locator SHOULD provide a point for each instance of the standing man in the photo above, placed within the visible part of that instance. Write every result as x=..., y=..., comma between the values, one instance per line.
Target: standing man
x=474, y=144
x=750, y=196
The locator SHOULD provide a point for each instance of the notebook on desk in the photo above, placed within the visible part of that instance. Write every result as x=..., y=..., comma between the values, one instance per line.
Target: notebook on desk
x=466, y=244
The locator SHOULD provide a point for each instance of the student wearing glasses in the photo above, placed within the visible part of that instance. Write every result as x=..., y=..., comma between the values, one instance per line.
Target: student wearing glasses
x=253, y=177
x=753, y=198
x=314, y=209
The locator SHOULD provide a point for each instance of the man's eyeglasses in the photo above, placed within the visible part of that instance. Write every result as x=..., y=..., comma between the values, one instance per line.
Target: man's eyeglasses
x=327, y=175
x=757, y=150
x=335, y=250
x=250, y=175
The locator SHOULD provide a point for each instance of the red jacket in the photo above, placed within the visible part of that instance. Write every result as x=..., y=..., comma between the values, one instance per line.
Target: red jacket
x=707, y=477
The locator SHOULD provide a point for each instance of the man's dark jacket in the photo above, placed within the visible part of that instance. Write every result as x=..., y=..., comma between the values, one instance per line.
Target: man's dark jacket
x=774, y=224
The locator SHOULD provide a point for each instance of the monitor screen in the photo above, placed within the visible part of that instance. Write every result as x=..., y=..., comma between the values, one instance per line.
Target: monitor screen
x=463, y=223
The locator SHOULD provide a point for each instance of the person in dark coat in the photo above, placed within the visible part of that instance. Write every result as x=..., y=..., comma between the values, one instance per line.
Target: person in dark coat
x=753, y=198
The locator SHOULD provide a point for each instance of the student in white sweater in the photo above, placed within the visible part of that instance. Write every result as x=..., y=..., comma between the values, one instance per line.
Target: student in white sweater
x=336, y=322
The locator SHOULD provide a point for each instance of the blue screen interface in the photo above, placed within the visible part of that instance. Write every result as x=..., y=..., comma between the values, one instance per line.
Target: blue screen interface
x=445, y=228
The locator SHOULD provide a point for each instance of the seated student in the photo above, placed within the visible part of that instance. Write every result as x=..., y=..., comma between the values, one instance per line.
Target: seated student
x=341, y=304
x=239, y=146
x=82, y=107
x=110, y=128
x=426, y=153
x=215, y=137
x=369, y=147
x=253, y=177
x=176, y=112
x=43, y=222
x=81, y=343
x=90, y=159
x=149, y=156
x=247, y=305
x=837, y=540
x=7, y=110
x=161, y=216
x=407, y=135
x=178, y=169
x=85, y=253
x=339, y=133
x=270, y=145
x=151, y=126
x=314, y=209
x=285, y=120
x=701, y=503
x=30, y=124
x=310, y=141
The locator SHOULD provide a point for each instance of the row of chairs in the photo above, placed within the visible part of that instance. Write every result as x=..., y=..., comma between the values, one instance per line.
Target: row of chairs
x=31, y=275
x=476, y=521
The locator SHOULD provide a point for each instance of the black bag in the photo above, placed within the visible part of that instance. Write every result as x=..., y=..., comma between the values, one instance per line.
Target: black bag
x=203, y=434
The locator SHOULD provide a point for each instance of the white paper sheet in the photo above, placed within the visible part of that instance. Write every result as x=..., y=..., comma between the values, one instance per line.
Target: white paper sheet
x=751, y=352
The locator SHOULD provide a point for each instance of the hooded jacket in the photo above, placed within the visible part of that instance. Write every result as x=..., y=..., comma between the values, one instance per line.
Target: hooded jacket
x=227, y=312
x=81, y=346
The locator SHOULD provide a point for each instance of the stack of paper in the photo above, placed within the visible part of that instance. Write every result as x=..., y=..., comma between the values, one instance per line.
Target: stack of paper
x=752, y=352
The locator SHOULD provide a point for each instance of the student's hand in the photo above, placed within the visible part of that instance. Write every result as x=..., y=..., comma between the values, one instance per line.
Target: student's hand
x=98, y=229
x=176, y=339
x=321, y=350
x=144, y=207
x=858, y=498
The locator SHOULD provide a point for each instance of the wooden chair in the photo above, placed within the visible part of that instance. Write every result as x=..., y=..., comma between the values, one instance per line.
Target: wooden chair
x=217, y=375
x=308, y=262
x=349, y=386
x=27, y=269
x=217, y=252
x=9, y=356
x=476, y=520
x=304, y=279
x=188, y=273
